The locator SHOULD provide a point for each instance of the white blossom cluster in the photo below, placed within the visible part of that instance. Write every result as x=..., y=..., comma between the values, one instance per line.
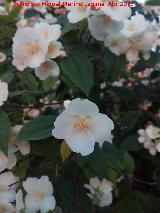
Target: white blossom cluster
x=150, y=138
x=100, y=191
x=120, y=32
x=38, y=50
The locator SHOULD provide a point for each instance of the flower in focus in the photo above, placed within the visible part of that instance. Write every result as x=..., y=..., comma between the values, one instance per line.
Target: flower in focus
x=3, y=92
x=29, y=50
x=50, y=32
x=39, y=195
x=2, y=57
x=81, y=125
x=47, y=68
x=100, y=191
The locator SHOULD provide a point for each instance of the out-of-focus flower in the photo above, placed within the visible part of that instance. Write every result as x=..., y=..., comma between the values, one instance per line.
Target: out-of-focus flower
x=8, y=186
x=55, y=49
x=21, y=23
x=6, y=207
x=3, y=92
x=39, y=195
x=47, y=68
x=78, y=13
x=100, y=25
x=50, y=32
x=135, y=26
x=148, y=137
x=145, y=105
x=28, y=48
x=81, y=125
x=2, y=57
x=117, y=13
x=100, y=191
x=117, y=44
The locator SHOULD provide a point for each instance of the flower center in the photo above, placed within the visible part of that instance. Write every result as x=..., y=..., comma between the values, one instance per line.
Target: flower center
x=33, y=47
x=51, y=48
x=39, y=195
x=45, y=65
x=81, y=124
x=46, y=34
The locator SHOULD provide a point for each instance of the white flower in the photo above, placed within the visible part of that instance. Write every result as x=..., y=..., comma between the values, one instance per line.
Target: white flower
x=100, y=25
x=39, y=195
x=2, y=57
x=148, y=137
x=14, y=146
x=135, y=26
x=117, y=44
x=78, y=13
x=19, y=201
x=117, y=13
x=50, y=32
x=7, y=192
x=6, y=207
x=3, y=92
x=3, y=161
x=81, y=125
x=100, y=192
x=55, y=49
x=30, y=47
x=47, y=68
x=20, y=63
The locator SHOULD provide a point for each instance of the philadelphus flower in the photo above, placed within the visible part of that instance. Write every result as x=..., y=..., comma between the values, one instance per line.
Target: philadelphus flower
x=148, y=137
x=135, y=26
x=3, y=161
x=100, y=192
x=50, y=32
x=28, y=48
x=78, y=13
x=3, y=92
x=81, y=125
x=47, y=68
x=7, y=192
x=100, y=25
x=117, y=13
x=39, y=195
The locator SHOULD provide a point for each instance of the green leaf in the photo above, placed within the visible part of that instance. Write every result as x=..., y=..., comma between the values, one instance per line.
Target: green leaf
x=79, y=69
x=36, y=129
x=103, y=162
x=114, y=66
x=30, y=13
x=153, y=2
x=131, y=143
x=73, y=196
x=131, y=203
x=131, y=118
x=128, y=163
x=5, y=131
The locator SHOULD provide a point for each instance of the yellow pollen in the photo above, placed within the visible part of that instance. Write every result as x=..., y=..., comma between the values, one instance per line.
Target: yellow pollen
x=39, y=195
x=81, y=124
x=33, y=47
